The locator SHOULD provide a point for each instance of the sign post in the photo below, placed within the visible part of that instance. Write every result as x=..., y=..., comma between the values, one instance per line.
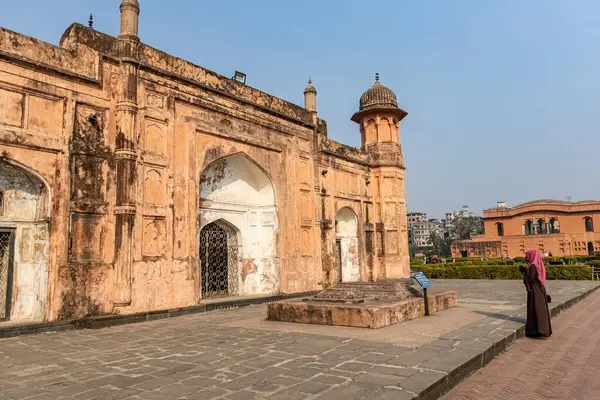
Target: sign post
x=425, y=284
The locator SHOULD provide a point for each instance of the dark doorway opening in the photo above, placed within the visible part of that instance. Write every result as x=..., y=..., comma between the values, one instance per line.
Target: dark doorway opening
x=590, y=247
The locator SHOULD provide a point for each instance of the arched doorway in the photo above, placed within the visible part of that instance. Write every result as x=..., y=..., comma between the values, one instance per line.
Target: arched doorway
x=500, y=228
x=219, y=263
x=346, y=245
x=236, y=190
x=24, y=240
x=590, y=248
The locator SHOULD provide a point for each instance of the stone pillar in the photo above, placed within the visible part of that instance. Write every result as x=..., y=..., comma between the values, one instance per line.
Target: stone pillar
x=126, y=152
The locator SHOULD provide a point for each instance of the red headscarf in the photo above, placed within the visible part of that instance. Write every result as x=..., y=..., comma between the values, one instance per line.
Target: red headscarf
x=534, y=257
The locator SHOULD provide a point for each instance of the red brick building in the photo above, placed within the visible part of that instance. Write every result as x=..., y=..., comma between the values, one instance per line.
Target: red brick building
x=562, y=228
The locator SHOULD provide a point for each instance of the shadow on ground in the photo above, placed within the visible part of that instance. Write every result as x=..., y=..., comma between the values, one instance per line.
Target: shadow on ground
x=502, y=316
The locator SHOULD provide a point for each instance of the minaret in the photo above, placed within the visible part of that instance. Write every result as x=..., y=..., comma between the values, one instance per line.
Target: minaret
x=125, y=151
x=310, y=97
x=130, y=15
x=379, y=119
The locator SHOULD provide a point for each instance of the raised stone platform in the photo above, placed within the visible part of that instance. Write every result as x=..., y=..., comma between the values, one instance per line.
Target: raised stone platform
x=363, y=305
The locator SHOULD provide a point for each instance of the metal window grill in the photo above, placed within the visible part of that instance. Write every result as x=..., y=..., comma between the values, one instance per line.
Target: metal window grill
x=219, y=261
x=5, y=274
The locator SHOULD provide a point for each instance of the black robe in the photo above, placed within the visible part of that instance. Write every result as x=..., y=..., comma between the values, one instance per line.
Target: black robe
x=538, y=314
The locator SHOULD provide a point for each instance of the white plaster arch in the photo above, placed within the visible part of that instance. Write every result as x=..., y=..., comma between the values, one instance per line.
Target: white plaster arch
x=47, y=203
x=237, y=171
x=26, y=211
x=237, y=190
x=346, y=232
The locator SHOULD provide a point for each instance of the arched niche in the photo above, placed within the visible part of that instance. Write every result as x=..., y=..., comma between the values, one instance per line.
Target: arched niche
x=237, y=190
x=500, y=228
x=24, y=242
x=528, y=227
x=589, y=224
x=554, y=225
x=347, y=245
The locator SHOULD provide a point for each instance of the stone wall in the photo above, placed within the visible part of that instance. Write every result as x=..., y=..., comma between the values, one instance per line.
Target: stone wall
x=126, y=163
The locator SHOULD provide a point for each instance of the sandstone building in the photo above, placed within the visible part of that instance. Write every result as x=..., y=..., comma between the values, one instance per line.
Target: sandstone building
x=132, y=180
x=559, y=227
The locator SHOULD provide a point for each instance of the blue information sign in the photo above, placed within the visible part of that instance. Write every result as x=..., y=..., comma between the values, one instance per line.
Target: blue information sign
x=422, y=279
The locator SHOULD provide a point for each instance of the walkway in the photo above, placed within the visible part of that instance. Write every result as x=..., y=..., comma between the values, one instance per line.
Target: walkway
x=236, y=354
x=563, y=367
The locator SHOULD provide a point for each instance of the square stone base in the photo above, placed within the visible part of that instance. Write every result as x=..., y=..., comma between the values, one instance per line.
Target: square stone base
x=366, y=315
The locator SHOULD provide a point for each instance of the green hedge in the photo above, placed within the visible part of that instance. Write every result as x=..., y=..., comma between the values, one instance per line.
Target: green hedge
x=462, y=261
x=448, y=271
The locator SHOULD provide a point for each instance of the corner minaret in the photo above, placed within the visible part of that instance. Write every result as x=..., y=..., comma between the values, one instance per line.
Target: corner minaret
x=310, y=97
x=130, y=15
x=125, y=151
x=379, y=115
x=379, y=118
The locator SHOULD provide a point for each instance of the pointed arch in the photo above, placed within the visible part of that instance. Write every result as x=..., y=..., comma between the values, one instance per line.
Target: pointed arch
x=589, y=224
x=219, y=259
x=500, y=228
x=237, y=169
x=25, y=236
x=236, y=191
x=45, y=194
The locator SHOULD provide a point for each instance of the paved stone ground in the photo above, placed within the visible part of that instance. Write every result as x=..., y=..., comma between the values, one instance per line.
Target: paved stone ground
x=236, y=354
x=563, y=367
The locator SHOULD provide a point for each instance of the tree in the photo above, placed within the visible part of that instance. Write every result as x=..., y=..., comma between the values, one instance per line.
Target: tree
x=464, y=227
x=439, y=246
x=412, y=250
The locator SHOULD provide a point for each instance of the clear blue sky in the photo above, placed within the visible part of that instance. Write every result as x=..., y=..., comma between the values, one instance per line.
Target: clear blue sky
x=503, y=96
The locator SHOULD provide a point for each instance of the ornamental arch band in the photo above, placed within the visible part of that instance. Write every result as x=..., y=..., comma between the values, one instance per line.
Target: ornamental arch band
x=144, y=182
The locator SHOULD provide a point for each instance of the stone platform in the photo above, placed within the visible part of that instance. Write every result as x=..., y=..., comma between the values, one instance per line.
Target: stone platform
x=362, y=305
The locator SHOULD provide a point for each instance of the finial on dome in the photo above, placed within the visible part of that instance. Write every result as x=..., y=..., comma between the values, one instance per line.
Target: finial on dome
x=376, y=77
x=309, y=80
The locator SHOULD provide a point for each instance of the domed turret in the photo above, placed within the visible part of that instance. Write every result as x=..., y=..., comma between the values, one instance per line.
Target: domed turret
x=378, y=98
x=310, y=97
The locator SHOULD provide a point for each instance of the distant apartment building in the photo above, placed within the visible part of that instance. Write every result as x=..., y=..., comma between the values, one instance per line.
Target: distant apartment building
x=415, y=217
x=452, y=217
x=420, y=229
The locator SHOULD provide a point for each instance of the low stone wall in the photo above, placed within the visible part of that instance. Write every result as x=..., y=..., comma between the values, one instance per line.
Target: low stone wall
x=367, y=315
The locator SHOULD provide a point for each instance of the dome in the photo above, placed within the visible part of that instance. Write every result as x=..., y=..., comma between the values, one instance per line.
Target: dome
x=378, y=96
x=310, y=88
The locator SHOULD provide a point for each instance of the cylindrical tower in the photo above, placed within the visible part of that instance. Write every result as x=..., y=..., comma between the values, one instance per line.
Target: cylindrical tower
x=310, y=97
x=379, y=118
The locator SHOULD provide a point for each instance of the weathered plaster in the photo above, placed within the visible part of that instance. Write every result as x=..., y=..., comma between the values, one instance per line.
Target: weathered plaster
x=236, y=190
x=24, y=207
x=120, y=133
x=346, y=231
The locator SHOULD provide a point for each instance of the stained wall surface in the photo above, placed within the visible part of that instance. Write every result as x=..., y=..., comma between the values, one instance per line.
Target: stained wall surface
x=115, y=157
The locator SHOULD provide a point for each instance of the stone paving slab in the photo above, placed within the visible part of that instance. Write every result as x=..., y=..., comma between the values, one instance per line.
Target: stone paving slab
x=236, y=354
x=10, y=329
